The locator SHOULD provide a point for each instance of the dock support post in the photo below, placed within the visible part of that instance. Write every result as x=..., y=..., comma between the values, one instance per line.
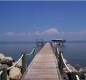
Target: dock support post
x=73, y=75
x=0, y=77
x=33, y=53
x=60, y=64
x=57, y=53
x=24, y=63
x=55, y=50
x=3, y=76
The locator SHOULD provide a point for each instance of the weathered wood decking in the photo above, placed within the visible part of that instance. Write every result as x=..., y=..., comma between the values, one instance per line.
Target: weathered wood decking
x=44, y=66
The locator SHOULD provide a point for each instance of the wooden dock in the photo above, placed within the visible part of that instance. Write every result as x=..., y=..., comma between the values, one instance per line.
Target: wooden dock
x=44, y=66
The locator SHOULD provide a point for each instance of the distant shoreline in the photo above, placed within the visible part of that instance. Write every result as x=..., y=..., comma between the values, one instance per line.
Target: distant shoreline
x=76, y=41
x=23, y=42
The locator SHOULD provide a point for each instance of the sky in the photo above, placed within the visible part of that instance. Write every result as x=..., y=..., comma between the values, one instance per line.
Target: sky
x=32, y=20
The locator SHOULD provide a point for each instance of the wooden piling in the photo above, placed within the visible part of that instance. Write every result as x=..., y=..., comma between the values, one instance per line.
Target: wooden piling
x=24, y=63
x=3, y=76
x=60, y=64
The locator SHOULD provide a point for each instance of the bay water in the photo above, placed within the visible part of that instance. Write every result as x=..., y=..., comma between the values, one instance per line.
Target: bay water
x=15, y=49
x=74, y=51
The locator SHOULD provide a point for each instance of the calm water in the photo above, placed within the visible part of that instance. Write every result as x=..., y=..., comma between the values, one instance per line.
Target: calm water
x=15, y=49
x=74, y=52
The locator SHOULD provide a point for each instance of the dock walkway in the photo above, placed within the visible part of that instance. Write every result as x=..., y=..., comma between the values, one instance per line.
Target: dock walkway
x=43, y=66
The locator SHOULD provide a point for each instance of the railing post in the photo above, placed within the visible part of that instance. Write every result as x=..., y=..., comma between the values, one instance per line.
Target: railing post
x=0, y=73
x=33, y=53
x=60, y=64
x=57, y=52
x=72, y=75
x=0, y=76
x=69, y=75
x=24, y=63
x=3, y=76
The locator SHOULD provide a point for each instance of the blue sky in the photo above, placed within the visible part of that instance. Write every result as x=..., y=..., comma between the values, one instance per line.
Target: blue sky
x=24, y=21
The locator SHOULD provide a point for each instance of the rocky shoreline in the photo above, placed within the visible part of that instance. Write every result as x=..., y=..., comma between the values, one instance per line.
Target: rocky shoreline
x=75, y=68
x=15, y=72
x=82, y=71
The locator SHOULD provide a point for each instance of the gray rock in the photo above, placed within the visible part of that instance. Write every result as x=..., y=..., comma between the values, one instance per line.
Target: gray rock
x=70, y=67
x=0, y=64
x=5, y=60
x=81, y=69
x=1, y=55
x=65, y=76
x=77, y=66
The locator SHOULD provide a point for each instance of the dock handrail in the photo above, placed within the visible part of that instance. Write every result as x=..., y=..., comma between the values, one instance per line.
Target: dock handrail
x=77, y=77
x=15, y=63
x=57, y=51
x=65, y=63
x=31, y=52
x=62, y=63
x=20, y=59
x=1, y=72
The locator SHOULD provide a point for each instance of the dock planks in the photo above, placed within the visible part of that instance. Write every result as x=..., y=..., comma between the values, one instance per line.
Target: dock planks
x=43, y=66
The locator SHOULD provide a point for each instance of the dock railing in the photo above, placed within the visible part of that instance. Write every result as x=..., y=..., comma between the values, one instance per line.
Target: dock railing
x=73, y=75
x=1, y=74
x=3, y=71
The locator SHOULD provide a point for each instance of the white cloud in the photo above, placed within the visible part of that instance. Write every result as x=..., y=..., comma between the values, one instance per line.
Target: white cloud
x=51, y=31
x=37, y=33
x=9, y=34
x=82, y=32
x=21, y=34
x=46, y=34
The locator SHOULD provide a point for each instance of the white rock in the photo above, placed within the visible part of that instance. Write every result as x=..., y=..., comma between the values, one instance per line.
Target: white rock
x=8, y=58
x=81, y=69
x=85, y=74
x=15, y=73
x=1, y=55
x=71, y=67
